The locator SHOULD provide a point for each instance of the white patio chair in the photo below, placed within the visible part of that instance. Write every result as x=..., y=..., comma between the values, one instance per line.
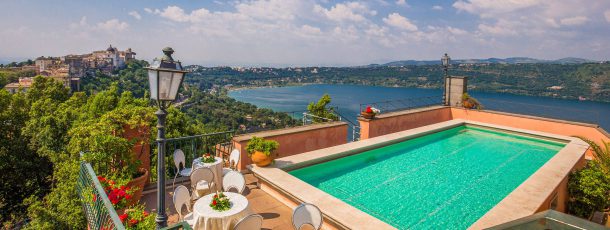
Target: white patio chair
x=182, y=197
x=234, y=180
x=234, y=158
x=202, y=181
x=180, y=160
x=250, y=222
x=306, y=214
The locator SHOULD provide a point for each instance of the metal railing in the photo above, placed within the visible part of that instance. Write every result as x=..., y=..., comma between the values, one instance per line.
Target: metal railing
x=403, y=104
x=547, y=111
x=218, y=144
x=98, y=210
x=309, y=118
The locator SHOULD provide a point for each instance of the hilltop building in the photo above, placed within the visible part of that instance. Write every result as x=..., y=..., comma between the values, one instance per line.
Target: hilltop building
x=23, y=84
x=71, y=68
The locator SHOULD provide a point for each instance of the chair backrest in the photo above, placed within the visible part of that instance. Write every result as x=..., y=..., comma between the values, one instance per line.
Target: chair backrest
x=306, y=214
x=182, y=197
x=201, y=174
x=253, y=221
x=179, y=158
x=234, y=158
x=233, y=179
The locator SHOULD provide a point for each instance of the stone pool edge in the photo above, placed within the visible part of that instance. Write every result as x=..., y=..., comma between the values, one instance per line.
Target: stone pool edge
x=523, y=201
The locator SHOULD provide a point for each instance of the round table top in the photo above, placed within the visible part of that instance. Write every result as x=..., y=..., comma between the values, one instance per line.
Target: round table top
x=202, y=206
x=198, y=162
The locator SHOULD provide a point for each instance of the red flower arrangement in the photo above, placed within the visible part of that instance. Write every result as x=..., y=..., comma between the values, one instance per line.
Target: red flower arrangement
x=208, y=158
x=368, y=109
x=119, y=195
x=220, y=202
x=137, y=218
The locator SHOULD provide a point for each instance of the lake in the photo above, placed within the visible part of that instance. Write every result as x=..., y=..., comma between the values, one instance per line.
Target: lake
x=349, y=97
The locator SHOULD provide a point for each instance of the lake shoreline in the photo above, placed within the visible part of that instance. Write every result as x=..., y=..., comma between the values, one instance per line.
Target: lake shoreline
x=238, y=88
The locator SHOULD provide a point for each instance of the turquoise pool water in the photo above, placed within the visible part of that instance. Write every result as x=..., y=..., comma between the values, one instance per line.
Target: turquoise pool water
x=444, y=180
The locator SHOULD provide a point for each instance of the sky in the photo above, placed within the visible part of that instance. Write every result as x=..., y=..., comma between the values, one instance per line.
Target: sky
x=308, y=32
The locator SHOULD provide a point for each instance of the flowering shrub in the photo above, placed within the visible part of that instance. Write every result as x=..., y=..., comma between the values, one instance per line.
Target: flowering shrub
x=220, y=202
x=208, y=158
x=137, y=218
x=119, y=195
x=370, y=109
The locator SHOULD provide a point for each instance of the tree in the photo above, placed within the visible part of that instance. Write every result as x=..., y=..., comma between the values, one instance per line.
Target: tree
x=320, y=110
x=589, y=187
x=23, y=174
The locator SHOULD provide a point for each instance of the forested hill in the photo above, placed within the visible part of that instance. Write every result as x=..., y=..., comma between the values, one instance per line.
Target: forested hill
x=590, y=81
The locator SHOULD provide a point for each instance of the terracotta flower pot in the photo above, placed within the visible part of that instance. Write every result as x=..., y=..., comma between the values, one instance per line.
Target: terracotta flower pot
x=138, y=185
x=467, y=104
x=261, y=159
x=367, y=115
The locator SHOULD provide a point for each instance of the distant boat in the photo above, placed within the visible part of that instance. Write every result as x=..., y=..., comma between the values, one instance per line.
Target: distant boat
x=581, y=98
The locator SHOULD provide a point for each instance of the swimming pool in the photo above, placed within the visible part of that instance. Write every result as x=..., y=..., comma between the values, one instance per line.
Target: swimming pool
x=446, y=179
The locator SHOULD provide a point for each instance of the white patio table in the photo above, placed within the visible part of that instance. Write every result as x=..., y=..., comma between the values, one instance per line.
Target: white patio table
x=216, y=168
x=207, y=218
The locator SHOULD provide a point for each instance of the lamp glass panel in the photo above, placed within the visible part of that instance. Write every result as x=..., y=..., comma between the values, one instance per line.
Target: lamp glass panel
x=165, y=82
x=176, y=80
x=152, y=82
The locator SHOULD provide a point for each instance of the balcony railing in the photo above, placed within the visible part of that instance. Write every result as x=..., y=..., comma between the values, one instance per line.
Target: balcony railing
x=98, y=209
x=218, y=144
x=403, y=104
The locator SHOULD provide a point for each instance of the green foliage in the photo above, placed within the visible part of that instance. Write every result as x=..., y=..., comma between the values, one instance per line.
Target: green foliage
x=261, y=145
x=221, y=113
x=320, y=109
x=470, y=102
x=591, y=80
x=601, y=153
x=23, y=174
x=588, y=189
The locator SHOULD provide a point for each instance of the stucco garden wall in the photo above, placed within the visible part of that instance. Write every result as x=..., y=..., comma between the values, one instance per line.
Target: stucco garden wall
x=296, y=140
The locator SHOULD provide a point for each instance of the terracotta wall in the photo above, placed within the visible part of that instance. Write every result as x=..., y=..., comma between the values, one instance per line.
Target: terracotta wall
x=592, y=132
x=296, y=140
x=403, y=120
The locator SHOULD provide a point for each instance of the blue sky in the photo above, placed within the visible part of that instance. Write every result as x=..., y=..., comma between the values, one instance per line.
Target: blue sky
x=309, y=32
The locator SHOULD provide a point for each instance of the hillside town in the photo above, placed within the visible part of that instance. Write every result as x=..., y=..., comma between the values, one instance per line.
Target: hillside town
x=71, y=68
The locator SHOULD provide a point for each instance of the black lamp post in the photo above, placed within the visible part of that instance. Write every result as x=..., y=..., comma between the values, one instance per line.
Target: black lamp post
x=165, y=77
x=445, y=60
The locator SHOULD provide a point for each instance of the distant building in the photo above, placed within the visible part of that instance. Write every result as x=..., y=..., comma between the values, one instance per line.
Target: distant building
x=24, y=84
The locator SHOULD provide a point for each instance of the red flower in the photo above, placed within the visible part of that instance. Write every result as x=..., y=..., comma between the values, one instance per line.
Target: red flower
x=145, y=213
x=133, y=222
x=213, y=202
x=215, y=196
x=128, y=197
x=368, y=109
x=101, y=178
x=94, y=197
x=123, y=217
x=123, y=187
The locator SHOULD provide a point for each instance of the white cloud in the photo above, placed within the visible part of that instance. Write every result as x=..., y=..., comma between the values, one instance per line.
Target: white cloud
x=488, y=8
x=135, y=15
x=437, y=7
x=401, y=2
x=350, y=11
x=497, y=29
x=607, y=15
x=112, y=25
x=177, y=14
x=398, y=21
x=574, y=21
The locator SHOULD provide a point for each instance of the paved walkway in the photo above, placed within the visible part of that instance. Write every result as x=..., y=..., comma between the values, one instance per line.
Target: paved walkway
x=276, y=215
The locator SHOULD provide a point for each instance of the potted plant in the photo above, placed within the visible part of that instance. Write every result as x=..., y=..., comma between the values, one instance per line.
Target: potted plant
x=470, y=102
x=369, y=112
x=259, y=150
x=137, y=218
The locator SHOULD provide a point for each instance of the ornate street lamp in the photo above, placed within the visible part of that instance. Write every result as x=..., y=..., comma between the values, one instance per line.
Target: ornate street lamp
x=165, y=77
x=445, y=60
